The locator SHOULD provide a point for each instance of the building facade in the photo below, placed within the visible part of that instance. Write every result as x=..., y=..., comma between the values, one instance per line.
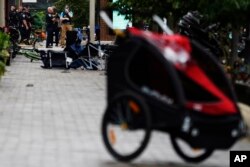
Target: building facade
x=105, y=32
x=4, y=10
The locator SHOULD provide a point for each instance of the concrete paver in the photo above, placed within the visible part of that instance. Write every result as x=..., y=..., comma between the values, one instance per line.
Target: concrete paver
x=51, y=117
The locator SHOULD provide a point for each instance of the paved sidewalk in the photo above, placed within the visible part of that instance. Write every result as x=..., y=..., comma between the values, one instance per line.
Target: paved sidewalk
x=51, y=118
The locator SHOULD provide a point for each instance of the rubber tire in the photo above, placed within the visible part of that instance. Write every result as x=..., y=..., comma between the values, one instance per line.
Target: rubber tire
x=187, y=158
x=144, y=142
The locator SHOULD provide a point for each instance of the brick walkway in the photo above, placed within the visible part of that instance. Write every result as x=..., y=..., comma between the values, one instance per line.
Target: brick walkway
x=51, y=118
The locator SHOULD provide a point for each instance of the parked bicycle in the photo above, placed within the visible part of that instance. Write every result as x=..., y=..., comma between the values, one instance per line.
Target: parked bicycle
x=29, y=49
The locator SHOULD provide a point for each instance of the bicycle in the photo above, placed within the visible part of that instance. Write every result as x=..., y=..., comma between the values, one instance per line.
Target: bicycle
x=31, y=51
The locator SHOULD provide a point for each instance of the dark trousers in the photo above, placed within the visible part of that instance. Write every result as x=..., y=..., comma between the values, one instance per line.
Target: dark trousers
x=28, y=33
x=49, y=39
x=56, y=34
x=24, y=33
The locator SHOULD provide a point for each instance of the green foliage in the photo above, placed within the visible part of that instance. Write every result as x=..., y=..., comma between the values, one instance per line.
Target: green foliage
x=38, y=19
x=4, y=41
x=228, y=12
x=138, y=11
x=4, y=54
x=235, y=12
x=224, y=11
x=80, y=10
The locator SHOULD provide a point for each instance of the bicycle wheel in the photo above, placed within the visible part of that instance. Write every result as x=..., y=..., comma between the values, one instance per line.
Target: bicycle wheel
x=15, y=35
x=126, y=127
x=189, y=154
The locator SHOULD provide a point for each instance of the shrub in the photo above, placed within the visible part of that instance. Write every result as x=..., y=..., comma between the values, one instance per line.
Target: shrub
x=4, y=54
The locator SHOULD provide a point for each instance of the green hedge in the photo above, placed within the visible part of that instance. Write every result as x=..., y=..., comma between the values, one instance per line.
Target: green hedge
x=4, y=54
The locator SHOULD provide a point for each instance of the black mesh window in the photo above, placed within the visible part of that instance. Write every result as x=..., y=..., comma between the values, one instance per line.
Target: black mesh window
x=147, y=72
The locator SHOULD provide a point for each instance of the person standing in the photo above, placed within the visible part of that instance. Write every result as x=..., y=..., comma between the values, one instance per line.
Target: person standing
x=23, y=25
x=49, y=27
x=66, y=24
x=28, y=19
x=56, y=25
x=13, y=25
x=13, y=17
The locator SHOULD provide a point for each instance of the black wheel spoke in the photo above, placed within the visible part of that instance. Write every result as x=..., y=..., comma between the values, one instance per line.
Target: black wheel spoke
x=127, y=144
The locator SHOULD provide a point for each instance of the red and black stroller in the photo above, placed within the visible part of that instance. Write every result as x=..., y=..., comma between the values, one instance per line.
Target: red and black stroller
x=171, y=84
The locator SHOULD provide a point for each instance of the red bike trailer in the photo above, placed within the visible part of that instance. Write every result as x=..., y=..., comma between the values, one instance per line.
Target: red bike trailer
x=170, y=84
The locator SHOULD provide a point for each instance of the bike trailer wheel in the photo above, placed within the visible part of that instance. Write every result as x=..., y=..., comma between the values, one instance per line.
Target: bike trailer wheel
x=194, y=155
x=126, y=127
